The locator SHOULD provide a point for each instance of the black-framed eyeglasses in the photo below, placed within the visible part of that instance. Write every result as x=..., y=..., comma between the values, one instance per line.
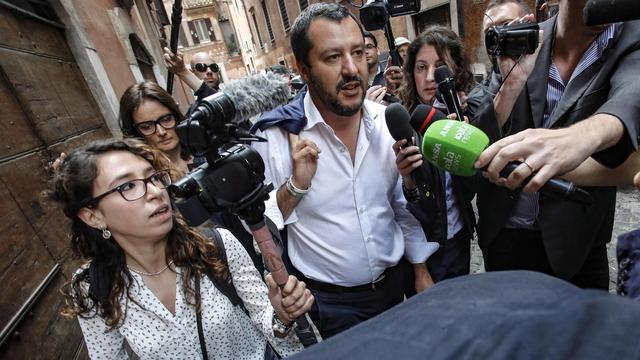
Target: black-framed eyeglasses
x=203, y=67
x=370, y=46
x=147, y=128
x=133, y=190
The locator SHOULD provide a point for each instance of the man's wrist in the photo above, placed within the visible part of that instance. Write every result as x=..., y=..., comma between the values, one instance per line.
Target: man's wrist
x=298, y=184
x=295, y=191
x=412, y=194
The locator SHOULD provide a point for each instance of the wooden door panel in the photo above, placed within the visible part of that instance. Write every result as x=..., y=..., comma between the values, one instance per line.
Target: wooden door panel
x=25, y=260
x=33, y=36
x=17, y=134
x=44, y=333
x=47, y=217
x=51, y=94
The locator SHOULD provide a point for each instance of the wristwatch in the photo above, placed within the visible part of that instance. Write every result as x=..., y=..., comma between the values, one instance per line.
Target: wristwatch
x=412, y=195
x=279, y=328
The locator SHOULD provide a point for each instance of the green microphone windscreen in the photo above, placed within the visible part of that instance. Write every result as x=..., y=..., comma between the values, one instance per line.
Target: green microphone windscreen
x=454, y=146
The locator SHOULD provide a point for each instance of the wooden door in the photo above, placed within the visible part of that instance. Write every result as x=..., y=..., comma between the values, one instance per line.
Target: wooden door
x=45, y=107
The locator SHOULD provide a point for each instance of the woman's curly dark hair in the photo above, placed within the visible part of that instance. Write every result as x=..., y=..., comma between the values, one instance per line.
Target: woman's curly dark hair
x=442, y=39
x=98, y=288
x=134, y=96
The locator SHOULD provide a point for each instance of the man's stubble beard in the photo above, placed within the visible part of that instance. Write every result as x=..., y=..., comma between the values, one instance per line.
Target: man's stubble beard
x=331, y=100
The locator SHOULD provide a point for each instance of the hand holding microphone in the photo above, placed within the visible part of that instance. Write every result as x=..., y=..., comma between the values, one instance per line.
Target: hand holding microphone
x=455, y=146
x=547, y=152
x=409, y=159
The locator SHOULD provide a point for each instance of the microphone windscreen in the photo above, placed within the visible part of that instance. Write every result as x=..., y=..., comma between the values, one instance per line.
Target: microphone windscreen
x=423, y=116
x=454, y=146
x=599, y=12
x=397, y=118
x=256, y=94
x=442, y=73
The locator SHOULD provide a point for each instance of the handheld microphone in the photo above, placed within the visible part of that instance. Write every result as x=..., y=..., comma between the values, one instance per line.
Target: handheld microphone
x=447, y=88
x=397, y=118
x=599, y=12
x=423, y=116
x=455, y=146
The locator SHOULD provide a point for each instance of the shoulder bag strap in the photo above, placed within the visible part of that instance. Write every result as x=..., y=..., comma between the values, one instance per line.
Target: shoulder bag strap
x=203, y=344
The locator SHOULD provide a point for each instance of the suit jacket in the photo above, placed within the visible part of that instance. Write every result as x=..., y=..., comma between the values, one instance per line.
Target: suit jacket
x=611, y=85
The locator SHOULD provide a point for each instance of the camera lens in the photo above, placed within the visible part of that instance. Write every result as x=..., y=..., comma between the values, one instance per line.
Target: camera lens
x=492, y=40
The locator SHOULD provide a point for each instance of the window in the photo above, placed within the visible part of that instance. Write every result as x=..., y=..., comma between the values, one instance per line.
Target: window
x=229, y=38
x=268, y=21
x=255, y=24
x=201, y=30
x=182, y=38
x=283, y=14
x=142, y=58
x=303, y=4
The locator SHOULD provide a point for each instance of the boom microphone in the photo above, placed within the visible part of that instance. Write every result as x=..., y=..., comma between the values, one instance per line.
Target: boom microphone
x=599, y=12
x=216, y=119
x=244, y=98
x=455, y=146
x=447, y=88
x=423, y=116
x=397, y=118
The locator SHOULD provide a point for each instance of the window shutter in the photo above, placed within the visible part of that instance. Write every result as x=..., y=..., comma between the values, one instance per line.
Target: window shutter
x=212, y=34
x=194, y=33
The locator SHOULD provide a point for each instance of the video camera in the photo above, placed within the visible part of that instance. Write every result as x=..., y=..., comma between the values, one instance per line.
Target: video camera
x=232, y=176
x=512, y=40
x=375, y=14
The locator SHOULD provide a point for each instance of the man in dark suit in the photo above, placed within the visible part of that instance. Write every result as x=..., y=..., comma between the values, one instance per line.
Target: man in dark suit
x=576, y=96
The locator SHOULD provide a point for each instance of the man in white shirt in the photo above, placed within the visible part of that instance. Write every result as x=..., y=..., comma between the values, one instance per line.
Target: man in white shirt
x=339, y=191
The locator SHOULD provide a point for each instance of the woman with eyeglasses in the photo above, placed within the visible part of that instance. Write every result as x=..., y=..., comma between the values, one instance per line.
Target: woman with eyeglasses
x=149, y=112
x=446, y=216
x=144, y=276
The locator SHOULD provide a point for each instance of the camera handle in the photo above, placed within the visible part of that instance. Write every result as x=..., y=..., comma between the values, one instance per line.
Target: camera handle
x=393, y=51
x=254, y=217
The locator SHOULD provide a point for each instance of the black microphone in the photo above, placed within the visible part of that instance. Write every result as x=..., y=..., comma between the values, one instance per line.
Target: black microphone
x=447, y=88
x=556, y=187
x=423, y=116
x=397, y=118
x=599, y=12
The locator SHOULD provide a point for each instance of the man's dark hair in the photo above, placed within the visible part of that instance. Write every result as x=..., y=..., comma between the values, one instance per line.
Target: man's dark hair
x=523, y=6
x=369, y=35
x=300, y=42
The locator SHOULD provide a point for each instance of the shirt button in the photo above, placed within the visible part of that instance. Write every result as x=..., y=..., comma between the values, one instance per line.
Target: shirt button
x=342, y=150
x=361, y=210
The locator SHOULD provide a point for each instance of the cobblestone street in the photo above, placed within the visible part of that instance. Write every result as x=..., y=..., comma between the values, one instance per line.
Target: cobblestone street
x=627, y=218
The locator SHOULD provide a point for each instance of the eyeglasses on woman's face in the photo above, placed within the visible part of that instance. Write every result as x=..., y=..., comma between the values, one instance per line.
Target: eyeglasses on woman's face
x=133, y=190
x=147, y=128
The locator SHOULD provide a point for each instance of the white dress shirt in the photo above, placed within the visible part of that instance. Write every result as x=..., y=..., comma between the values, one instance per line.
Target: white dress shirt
x=353, y=223
x=153, y=332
